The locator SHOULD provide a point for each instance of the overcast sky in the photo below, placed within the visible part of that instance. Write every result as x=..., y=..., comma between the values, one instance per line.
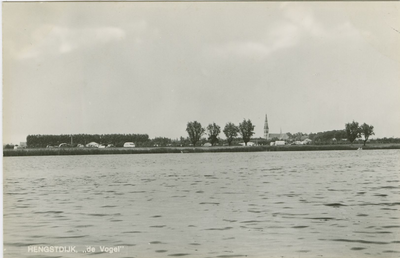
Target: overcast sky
x=152, y=67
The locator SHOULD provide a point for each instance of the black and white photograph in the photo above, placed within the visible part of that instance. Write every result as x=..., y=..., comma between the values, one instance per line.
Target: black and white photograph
x=201, y=129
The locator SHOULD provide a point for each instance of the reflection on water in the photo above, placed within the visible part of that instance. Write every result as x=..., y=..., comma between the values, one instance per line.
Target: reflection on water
x=270, y=204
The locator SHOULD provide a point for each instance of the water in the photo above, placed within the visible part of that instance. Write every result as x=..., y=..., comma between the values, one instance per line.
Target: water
x=269, y=204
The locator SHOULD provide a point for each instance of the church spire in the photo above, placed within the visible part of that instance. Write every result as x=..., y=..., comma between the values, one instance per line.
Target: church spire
x=266, y=129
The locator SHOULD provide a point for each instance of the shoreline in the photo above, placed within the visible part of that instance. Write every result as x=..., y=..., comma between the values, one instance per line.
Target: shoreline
x=160, y=150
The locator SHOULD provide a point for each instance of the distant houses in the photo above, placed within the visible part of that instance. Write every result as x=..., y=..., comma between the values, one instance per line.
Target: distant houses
x=92, y=145
x=248, y=144
x=22, y=145
x=283, y=138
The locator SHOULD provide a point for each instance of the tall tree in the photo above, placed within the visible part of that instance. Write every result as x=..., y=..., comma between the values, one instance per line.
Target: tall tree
x=195, y=131
x=230, y=131
x=213, y=132
x=367, y=131
x=352, y=131
x=246, y=129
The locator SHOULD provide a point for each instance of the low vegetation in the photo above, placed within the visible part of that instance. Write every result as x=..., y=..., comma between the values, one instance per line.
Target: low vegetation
x=155, y=150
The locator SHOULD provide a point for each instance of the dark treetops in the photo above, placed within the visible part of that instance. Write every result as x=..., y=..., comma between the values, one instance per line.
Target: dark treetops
x=246, y=129
x=230, y=131
x=195, y=131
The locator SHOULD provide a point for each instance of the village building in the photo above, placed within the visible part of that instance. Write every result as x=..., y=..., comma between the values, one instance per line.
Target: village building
x=270, y=136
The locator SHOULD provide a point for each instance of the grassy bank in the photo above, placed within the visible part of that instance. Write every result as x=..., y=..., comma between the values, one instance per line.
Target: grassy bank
x=95, y=151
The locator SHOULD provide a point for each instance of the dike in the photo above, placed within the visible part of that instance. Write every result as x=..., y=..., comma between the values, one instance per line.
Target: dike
x=183, y=150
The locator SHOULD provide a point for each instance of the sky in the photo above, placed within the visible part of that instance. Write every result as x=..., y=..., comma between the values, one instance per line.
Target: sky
x=152, y=67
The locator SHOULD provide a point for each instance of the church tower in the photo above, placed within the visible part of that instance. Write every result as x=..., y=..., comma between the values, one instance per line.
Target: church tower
x=266, y=129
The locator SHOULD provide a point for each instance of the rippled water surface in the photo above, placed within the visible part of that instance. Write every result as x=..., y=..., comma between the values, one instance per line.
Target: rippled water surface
x=268, y=204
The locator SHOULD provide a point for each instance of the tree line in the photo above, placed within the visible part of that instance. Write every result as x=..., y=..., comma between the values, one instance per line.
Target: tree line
x=352, y=132
x=118, y=140
x=195, y=131
x=231, y=131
